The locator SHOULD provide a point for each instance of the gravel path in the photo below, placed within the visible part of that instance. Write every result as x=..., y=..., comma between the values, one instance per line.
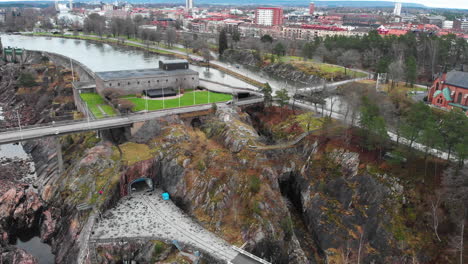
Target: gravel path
x=147, y=215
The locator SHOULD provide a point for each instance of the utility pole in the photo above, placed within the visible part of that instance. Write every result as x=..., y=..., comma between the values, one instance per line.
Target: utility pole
x=87, y=114
x=163, y=98
x=146, y=100
x=179, y=96
x=19, y=124
x=71, y=64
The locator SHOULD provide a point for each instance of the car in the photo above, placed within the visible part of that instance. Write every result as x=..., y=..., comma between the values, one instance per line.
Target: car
x=229, y=102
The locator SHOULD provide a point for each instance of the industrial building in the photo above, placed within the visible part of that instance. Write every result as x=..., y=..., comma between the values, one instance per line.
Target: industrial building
x=173, y=74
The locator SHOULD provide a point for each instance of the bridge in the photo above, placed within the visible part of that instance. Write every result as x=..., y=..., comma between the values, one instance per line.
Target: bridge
x=18, y=134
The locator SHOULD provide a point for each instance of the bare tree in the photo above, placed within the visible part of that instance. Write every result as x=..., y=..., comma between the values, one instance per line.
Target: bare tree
x=435, y=218
x=170, y=37
x=349, y=59
x=395, y=71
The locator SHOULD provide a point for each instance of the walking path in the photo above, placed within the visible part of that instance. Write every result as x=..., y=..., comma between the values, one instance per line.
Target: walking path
x=392, y=136
x=146, y=215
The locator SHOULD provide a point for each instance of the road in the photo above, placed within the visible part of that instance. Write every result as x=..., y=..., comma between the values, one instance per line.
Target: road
x=146, y=216
x=67, y=127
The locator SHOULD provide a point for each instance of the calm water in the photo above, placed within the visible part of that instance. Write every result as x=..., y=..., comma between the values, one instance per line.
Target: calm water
x=105, y=57
x=37, y=248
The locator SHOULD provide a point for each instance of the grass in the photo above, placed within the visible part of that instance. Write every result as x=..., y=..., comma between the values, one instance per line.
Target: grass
x=94, y=100
x=201, y=97
x=133, y=152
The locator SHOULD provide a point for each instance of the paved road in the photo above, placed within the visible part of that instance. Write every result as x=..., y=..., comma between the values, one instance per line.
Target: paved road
x=15, y=135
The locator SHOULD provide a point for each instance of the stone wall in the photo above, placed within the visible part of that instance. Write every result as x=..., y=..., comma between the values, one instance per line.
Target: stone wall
x=187, y=80
x=79, y=69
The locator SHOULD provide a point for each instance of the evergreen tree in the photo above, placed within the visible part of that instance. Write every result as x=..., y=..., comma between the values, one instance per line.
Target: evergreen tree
x=223, y=42
x=282, y=97
x=372, y=124
x=279, y=49
x=415, y=122
x=267, y=97
x=411, y=70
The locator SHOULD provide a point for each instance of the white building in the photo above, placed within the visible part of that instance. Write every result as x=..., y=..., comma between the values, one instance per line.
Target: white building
x=447, y=24
x=397, y=10
x=188, y=4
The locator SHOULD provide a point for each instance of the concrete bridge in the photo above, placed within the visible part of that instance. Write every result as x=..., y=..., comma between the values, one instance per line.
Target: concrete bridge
x=67, y=127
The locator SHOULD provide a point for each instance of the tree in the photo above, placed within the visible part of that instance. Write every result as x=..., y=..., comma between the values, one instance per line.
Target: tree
x=411, y=71
x=129, y=27
x=452, y=129
x=415, y=121
x=267, y=94
x=372, y=124
x=461, y=147
x=395, y=72
x=279, y=49
x=236, y=36
x=222, y=42
x=125, y=105
x=282, y=97
x=349, y=59
x=155, y=36
x=266, y=38
x=170, y=37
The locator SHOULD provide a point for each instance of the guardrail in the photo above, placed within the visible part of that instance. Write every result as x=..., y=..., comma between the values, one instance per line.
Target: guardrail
x=250, y=255
x=124, y=119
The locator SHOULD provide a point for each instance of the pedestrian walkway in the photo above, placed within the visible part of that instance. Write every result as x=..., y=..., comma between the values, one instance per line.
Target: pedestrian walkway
x=146, y=215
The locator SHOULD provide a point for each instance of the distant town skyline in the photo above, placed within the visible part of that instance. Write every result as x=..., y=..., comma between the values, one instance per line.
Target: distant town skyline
x=460, y=4
x=456, y=4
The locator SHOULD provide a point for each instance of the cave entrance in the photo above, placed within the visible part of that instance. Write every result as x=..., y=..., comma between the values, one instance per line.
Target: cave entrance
x=196, y=122
x=140, y=185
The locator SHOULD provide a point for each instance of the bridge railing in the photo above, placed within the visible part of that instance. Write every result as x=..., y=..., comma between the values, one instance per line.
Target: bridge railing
x=250, y=255
x=129, y=115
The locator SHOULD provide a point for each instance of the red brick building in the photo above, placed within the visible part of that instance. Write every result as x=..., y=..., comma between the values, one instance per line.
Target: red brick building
x=269, y=16
x=450, y=90
x=311, y=8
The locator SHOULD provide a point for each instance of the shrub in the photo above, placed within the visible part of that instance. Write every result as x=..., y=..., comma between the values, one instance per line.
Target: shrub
x=254, y=184
x=27, y=80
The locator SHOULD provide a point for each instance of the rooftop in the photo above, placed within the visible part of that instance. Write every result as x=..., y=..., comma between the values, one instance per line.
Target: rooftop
x=141, y=73
x=174, y=61
x=457, y=78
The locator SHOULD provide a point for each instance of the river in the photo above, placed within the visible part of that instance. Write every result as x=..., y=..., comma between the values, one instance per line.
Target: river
x=104, y=57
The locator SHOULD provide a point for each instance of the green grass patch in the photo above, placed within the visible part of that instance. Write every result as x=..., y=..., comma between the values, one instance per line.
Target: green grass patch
x=93, y=101
x=188, y=99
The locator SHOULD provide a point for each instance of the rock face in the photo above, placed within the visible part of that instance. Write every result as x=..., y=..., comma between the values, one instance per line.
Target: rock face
x=276, y=70
x=20, y=209
x=13, y=255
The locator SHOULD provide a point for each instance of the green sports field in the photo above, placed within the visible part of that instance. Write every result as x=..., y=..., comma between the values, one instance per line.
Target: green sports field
x=188, y=99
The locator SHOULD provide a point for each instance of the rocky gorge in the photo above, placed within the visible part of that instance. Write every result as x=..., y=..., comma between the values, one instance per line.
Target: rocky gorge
x=322, y=200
